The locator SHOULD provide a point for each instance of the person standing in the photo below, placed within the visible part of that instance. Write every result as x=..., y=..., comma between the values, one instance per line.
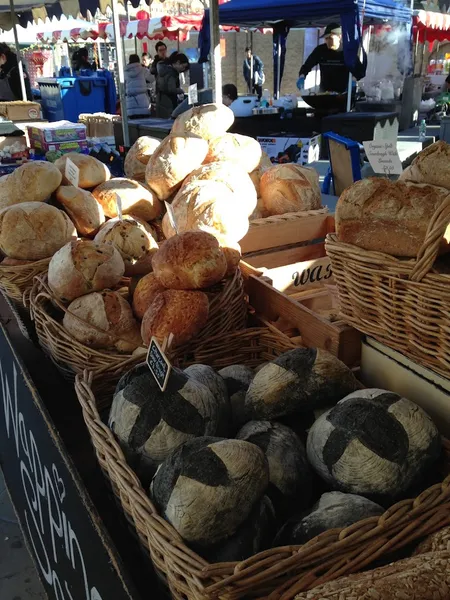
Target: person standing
x=161, y=55
x=10, y=86
x=253, y=69
x=137, y=79
x=168, y=87
x=80, y=60
x=145, y=60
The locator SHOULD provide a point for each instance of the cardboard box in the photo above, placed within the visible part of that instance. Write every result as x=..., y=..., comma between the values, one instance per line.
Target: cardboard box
x=309, y=147
x=63, y=147
x=21, y=111
x=61, y=131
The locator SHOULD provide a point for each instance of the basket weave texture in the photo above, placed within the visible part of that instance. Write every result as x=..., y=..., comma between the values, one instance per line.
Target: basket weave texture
x=17, y=280
x=278, y=573
x=404, y=304
x=227, y=312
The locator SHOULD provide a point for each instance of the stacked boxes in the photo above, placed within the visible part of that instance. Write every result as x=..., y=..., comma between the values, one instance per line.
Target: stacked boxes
x=57, y=138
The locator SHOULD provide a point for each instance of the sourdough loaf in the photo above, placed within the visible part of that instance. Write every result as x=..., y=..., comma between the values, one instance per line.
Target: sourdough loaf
x=385, y=216
x=81, y=206
x=264, y=164
x=146, y=290
x=233, y=147
x=137, y=200
x=34, y=181
x=432, y=165
x=138, y=156
x=207, y=121
x=92, y=171
x=290, y=188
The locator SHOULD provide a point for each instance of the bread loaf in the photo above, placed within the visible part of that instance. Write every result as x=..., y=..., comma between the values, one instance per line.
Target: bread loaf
x=81, y=206
x=436, y=542
x=209, y=206
x=34, y=230
x=208, y=121
x=264, y=164
x=191, y=260
x=81, y=267
x=136, y=199
x=241, y=149
x=147, y=288
x=385, y=216
x=103, y=320
x=34, y=181
x=92, y=171
x=135, y=241
x=232, y=252
x=432, y=166
x=290, y=188
x=138, y=156
x=176, y=157
x=178, y=312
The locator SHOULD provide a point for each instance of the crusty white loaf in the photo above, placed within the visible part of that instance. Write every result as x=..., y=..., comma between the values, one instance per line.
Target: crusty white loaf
x=138, y=156
x=432, y=165
x=81, y=206
x=34, y=181
x=290, y=188
x=207, y=121
x=92, y=171
x=385, y=216
x=264, y=164
x=137, y=199
x=233, y=147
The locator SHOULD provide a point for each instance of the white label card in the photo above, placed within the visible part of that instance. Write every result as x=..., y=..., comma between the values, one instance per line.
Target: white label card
x=383, y=157
x=171, y=216
x=193, y=94
x=72, y=172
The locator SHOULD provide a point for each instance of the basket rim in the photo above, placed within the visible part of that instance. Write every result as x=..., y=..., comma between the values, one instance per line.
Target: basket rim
x=290, y=216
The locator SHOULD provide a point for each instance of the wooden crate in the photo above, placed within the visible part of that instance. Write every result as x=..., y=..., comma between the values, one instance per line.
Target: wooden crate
x=291, y=286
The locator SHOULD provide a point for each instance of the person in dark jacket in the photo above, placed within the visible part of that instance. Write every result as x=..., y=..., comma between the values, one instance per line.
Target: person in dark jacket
x=161, y=54
x=330, y=58
x=10, y=86
x=137, y=80
x=168, y=84
x=80, y=60
x=253, y=69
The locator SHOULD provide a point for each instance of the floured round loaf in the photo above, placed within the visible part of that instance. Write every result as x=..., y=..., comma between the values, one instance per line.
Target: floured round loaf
x=207, y=121
x=217, y=386
x=33, y=181
x=175, y=158
x=92, y=171
x=81, y=206
x=136, y=199
x=237, y=379
x=138, y=156
x=431, y=165
x=290, y=188
x=146, y=290
x=81, y=267
x=233, y=147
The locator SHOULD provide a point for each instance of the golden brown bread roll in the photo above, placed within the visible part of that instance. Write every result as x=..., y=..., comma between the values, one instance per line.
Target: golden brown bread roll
x=105, y=320
x=233, y=147
x=146, y=290
x=232, y=252
x=135, y=241
x=207, y=121
x=176, y=157
x=264, y=164
x=137, y=200
x=432, y=166
x=81, y=267
x=138, y=156
x=290, y=188
x=189, y=261
x=83, y=209
x=92, y=171
x=33, y=181
x=385, y=216
x=34, y=230
x=178, y=312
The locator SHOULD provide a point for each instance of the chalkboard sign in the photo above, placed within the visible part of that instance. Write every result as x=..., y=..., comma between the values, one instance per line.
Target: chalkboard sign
x=72, y=551
x=158, y=364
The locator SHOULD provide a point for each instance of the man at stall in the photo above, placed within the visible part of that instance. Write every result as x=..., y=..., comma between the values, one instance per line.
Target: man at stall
x=161, y=55
x=10, y=86
x=253, y=71
x=330, y=58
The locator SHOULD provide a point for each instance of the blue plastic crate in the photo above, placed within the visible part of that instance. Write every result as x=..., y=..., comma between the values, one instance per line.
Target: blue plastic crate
x=68, y=97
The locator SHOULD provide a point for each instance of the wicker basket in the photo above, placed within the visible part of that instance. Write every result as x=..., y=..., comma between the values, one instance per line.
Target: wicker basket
x=98, y=124
x=278, y=573
x=17, y=280
x=228, y=311
x=402, y=303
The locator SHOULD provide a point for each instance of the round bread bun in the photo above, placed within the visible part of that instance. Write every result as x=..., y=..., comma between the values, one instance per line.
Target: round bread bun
x=146, y=290
x=136, y=199
x=34, y=181
x=135, y=241
x=189, y=261
x=209, y=206
x=105, y=321
x=92, y=171
x=178, y=312
x=232, y=252
x=176, y=157
x=34, y=230
x=290, y=188
x=81, y=267
x=138, y=156
x=81, y=206
x=207, y=121
x=241, y=149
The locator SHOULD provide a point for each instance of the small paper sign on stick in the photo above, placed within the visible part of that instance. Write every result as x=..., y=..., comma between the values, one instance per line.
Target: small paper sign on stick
x=119, y=206
x=192, y=94
x=72, y=172
x=158, y=363
x=172, y=221
x=383, y=157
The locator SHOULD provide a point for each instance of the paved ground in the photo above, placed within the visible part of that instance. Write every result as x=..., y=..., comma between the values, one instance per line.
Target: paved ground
x=18, y=577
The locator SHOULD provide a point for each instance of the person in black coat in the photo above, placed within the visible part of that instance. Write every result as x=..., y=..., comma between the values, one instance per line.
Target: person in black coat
x=253, y=67
x=10, y=86
x=161, y=55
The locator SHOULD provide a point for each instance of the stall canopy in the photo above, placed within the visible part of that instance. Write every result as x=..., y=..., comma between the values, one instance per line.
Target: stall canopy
x=282, y=15
x=431, y=27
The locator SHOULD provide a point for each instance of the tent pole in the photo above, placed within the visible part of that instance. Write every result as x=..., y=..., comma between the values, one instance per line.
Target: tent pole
x=278, y=67
x=216, y=67
x=19, y=56
x=349, y=92
x=121, y=73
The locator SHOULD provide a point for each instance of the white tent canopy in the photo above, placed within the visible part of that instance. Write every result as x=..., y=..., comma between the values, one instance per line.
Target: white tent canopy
x=28, y=35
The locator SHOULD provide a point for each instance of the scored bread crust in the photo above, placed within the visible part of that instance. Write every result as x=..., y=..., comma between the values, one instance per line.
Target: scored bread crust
x=289, y=188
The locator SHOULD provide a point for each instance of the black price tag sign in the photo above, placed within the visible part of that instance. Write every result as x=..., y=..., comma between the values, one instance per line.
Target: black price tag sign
x=158, y=364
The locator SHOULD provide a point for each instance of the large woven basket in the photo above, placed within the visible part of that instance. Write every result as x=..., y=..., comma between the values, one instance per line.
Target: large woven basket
x=402, y=303
x=278, y=573
x=17, y=280
x=228, y=311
